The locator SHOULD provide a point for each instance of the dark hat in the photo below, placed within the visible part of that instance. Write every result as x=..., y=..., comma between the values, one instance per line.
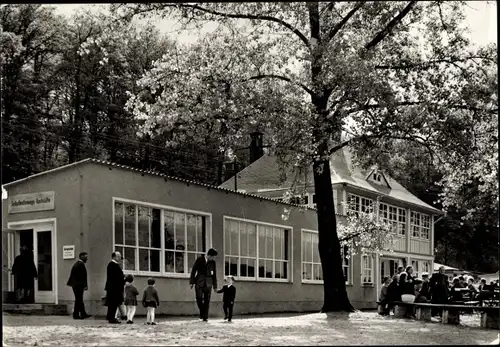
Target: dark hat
x=212, y=252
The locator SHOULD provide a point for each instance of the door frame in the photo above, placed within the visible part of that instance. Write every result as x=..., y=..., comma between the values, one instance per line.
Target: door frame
x=36, y=224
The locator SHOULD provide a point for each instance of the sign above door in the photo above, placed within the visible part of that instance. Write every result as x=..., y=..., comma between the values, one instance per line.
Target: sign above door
x=41, y=201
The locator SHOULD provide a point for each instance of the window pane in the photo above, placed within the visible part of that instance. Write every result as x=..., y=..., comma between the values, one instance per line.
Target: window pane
x=317, y=273
x=307, y=271
x=307, y=254
x=243, y=267
x=231, y=266
x=143, y=215
x=169, y=230
x=200, y=233
x=169, y=261
x=130, y=225
x=279, y=269
x=315, y=250
x=191, y=232
x=251, y=267
x=191, y=259
x=262, y=243
x=269, y=242
x=269, y=269
x=252, y=240
x=156, y=229
x=129, y=259
x=154, y=260
x=234, y=238
x=243, y=239
x=278, y=243
x=179, y=262
x=143, y=259
x=118, y=223
x=180, y=231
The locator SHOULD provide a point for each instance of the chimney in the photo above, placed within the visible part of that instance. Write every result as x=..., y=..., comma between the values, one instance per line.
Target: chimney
x=256, y=146
x=229, y=170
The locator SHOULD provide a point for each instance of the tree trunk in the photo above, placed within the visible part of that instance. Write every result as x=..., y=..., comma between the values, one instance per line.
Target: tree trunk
x=335, y=293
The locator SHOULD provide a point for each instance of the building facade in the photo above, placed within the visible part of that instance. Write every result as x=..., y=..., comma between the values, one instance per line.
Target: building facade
x=160, y=225
x=357, y=192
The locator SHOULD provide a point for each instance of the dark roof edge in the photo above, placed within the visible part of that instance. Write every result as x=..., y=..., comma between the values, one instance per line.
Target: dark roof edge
x=153, y=173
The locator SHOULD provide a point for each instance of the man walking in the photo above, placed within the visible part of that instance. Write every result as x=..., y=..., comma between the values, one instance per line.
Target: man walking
x=115, y=282
x=78, y=281
x=204, y=278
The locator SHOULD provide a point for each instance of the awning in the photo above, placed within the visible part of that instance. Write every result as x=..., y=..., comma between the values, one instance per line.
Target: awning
x=446, y=268
x=490, y=277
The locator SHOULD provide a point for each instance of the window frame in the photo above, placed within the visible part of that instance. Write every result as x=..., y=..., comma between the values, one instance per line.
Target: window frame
x=162, y=273
x=421, y=228
x=289, y=261
x=307, y=281
x=397, y=225
x=372, y=268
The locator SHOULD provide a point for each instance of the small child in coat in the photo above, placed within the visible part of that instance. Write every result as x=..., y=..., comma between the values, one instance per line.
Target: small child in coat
x=131, y=293
x=150, y=300
x=383, y=298
x=229, y=293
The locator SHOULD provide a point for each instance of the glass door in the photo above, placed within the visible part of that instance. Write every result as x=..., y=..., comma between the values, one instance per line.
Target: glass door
x=43, y=253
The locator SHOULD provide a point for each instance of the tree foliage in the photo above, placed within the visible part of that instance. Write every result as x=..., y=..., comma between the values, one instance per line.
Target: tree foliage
x=378, y=70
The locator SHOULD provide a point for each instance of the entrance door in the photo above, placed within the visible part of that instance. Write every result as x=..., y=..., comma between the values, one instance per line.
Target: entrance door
x=44, y=260
x=389, y=267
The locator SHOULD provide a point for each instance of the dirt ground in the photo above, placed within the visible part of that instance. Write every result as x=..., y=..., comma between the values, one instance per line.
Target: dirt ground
x=360, y=328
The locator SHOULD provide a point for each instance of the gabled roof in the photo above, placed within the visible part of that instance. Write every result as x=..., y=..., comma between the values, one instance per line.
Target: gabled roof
x=264, y=174
x=129, y=168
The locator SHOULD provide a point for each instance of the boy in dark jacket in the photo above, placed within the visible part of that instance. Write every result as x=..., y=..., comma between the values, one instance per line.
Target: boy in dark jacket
x=151, y=301
x=229, y=293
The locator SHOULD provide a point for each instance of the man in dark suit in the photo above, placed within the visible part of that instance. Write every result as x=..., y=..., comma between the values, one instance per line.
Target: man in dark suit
x=115, y=281
x=204, y=278
x=78, y=281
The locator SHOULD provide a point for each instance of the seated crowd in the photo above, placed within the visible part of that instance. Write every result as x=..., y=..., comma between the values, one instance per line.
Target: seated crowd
x=404, y=287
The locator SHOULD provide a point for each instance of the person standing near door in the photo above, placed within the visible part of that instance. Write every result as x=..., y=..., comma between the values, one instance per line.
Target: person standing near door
x=204, y=278
x=78, y=281
x=115, y=282
x=24, y=271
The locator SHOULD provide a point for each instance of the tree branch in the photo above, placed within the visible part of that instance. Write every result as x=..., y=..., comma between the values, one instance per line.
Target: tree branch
x=344, y=20
x=296, y=31
x=283, y=78
x=428, y=64
x=384, y=32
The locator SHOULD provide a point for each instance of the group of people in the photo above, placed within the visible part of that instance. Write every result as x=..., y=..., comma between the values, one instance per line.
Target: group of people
x=434, y=289
x=121, y=293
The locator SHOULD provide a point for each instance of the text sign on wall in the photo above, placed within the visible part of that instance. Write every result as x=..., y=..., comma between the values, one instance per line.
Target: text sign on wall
x=69, y=252
x=42, y=201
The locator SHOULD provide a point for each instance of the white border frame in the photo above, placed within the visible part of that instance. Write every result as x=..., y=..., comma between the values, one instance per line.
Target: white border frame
x=374, y=270
x=162, y=273
x=257, y=279
x=30, y=223
x=348, y=283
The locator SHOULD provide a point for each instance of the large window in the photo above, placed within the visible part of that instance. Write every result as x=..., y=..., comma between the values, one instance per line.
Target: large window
x=255, y=251
x=421, y=266
x=359, y=204
x=367, y=269
x=420, y=225
x=151, y=246
x=395, y=216
x=311, y=263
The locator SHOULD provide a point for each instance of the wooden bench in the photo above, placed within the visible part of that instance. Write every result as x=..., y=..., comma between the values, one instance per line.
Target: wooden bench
x=451, y=313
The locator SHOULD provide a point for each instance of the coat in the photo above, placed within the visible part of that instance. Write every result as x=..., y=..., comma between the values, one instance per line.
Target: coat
x=115, y=282
x=24, y=270
x=393, y=293
x=438, y=285
x=150, y=296
x=203, y=273
x=229, y=293
x=78, y=276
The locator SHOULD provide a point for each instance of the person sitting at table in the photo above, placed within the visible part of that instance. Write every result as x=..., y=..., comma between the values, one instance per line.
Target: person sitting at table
x=462, y=282
x=473, y=290
x=482, y=284
x=455, y=293
x=424, y=291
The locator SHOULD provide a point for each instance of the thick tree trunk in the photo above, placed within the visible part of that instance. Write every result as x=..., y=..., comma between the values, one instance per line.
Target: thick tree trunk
x=335, y=293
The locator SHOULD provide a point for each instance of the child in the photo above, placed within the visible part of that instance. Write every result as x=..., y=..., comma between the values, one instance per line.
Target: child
x=150, y=300
x=228, y=297
x=131, y=293
x=383, y=297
